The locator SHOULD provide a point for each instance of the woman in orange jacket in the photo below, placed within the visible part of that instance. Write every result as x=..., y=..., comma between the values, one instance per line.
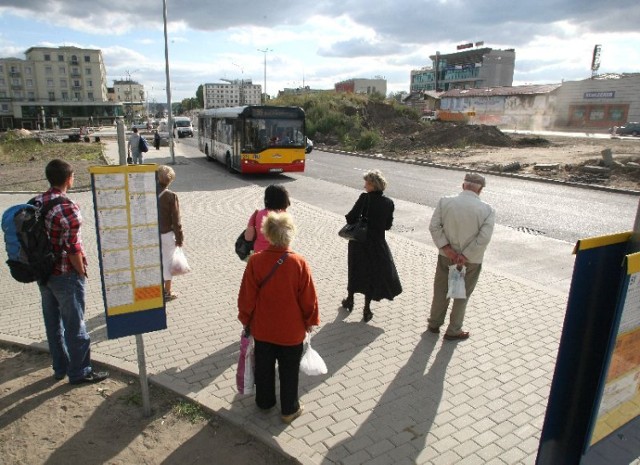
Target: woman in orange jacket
x=278, y=304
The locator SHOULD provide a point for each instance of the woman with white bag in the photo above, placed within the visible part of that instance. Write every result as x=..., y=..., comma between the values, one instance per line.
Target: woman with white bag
x=170, y=225
x=278, y=304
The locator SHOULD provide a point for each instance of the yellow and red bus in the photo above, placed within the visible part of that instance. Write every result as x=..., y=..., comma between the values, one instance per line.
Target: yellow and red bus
x=254, y=138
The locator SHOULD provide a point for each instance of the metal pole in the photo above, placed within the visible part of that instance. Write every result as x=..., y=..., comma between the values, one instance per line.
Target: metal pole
x=142, y=368
x=166, y=60
x=122, y=144
x=264, y=92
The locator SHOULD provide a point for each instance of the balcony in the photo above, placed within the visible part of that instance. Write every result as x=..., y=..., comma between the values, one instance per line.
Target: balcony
x=76, y=74
x=16, y=86
x=74, y=87
x=15, y=74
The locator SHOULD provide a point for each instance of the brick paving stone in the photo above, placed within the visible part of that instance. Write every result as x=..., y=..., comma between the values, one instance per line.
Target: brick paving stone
x=498, y=380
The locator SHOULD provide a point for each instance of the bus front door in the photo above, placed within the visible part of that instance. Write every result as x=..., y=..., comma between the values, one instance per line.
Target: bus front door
x=237, y=145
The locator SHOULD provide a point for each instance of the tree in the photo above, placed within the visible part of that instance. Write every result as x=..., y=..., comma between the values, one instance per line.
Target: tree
x=200, y=96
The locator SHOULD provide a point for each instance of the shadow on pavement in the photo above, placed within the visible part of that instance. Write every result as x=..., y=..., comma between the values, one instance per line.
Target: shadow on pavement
x=404, y=414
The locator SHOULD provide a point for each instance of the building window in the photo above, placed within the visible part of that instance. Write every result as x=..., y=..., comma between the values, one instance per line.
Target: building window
x=29, y=82
x=76, y=83
x=3, y=94
x=616, y=114
x=87, y=71
x=1, y=68
x=90, y=95
x=2, y=83
x=63, y=83
x=76, y=95
x=49, y=82
x=89, y=83
x=62, y=70
x=87, y=59
x=27, y=70
x=31, y=96
x=48, y=70
x=47, y=57
x=60, y=57
x=65, y=95
x=596, y=114
x=52, y=96
x=5, y=107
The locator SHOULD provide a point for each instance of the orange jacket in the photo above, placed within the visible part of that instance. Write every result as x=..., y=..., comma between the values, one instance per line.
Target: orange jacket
x=286, y=306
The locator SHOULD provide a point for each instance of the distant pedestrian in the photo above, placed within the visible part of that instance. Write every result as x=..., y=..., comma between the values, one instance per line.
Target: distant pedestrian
x=276, y=199
x=170, y=225
x=371, y=269
x=156, y=139
x=63, y=294
x=461, y=228
x=133, y=147
x=278, y=305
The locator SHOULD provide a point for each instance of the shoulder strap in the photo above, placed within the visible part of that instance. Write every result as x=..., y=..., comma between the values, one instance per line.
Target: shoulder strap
x=254, y=217
x=273, y=270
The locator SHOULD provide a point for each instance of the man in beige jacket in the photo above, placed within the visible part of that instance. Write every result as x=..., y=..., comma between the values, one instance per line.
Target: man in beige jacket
x=461, y=228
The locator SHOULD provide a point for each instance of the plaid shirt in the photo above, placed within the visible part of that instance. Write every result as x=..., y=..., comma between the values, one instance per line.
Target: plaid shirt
x=63, y=223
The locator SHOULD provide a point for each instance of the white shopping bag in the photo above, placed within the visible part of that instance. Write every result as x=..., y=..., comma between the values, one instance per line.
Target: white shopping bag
x=311, y=363
x=456, y=283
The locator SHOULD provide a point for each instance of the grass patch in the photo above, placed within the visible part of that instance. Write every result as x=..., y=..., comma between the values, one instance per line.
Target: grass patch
x=23, y=160
x=189, y=411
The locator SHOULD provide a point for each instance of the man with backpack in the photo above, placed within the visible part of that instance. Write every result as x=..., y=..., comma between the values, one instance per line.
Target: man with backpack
x=136, y=147
x=63, y=293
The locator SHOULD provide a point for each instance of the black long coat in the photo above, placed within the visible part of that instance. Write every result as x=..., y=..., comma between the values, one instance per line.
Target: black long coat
x=372, y=271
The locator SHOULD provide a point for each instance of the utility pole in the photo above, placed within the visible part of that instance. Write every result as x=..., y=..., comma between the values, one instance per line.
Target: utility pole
x=264, y=91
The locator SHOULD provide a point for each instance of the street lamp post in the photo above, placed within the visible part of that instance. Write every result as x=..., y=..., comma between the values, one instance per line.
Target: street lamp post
x=168, y=87
x=241, y=84
x=264, y=91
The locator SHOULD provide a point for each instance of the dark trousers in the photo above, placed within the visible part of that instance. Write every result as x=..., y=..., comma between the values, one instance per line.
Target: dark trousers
x=288, y=358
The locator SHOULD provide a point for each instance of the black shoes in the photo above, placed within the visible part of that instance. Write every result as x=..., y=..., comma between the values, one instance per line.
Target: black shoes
x=347, y=304
x=93, y=377
x=367, y=315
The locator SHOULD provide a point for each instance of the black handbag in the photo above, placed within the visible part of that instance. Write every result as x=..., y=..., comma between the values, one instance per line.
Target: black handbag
x=243, y=246
x=356, y=231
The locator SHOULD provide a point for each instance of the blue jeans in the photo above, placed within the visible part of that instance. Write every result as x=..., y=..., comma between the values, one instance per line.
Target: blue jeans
x=63, y=303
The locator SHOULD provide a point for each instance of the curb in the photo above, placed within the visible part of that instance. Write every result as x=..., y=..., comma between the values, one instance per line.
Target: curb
x=524, y=177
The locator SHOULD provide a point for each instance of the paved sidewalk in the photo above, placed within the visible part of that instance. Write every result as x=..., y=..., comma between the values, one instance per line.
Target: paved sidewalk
x=393, y=394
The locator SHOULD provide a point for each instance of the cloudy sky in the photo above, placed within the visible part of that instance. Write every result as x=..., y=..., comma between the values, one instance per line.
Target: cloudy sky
x=317, y=43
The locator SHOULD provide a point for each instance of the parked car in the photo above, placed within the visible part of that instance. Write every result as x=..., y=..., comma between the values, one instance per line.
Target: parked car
x=430, y=115
x=309, y=147
x=628, y=129
x=140, y=126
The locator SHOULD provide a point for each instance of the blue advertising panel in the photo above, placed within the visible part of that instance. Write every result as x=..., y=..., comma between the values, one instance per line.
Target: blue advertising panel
x=126, y=210
x=584, y=353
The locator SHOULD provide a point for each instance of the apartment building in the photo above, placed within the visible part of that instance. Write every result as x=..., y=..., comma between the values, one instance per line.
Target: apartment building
x=467, y=69
x=363, y=86
x=231, y=93
x=55, y=87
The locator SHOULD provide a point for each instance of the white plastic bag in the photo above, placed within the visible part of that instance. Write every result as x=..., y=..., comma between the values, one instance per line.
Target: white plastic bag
x=456, y=283
x=311, y=363
x=179, y=264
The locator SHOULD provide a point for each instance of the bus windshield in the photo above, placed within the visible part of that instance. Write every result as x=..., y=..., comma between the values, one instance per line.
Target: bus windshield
x=261, y=133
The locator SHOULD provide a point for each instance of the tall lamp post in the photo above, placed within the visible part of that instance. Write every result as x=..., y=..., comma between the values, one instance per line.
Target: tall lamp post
x=166, y=60
x=264, y=91
x=241, y=100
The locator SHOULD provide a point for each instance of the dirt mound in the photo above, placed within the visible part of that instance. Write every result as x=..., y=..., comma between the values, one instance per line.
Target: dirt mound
x=449, y=135
x=388, y=120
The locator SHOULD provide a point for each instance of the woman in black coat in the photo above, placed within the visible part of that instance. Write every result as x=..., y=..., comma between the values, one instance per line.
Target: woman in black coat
x=372, y=271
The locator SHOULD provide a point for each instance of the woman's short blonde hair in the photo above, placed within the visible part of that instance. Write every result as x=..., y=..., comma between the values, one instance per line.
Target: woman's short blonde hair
x=166, y=175
x=376, y=179
x=279, y=229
